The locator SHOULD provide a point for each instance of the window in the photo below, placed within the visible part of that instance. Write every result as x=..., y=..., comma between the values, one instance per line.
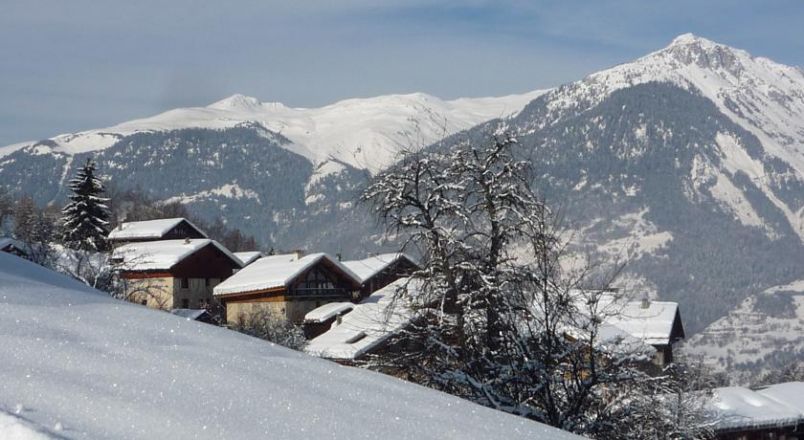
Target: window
x=144, y=302
x=185, y=303
x=206, y=282
x=185, y=283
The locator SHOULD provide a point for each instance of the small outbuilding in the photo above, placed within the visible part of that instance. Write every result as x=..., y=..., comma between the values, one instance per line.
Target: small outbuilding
x=378, y=271
x=656, y=323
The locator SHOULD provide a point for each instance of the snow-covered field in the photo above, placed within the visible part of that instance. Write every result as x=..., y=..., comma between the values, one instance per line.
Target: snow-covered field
x=75, y=363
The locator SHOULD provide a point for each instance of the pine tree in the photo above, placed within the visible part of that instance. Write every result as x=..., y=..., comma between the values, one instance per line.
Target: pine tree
x=85, y=220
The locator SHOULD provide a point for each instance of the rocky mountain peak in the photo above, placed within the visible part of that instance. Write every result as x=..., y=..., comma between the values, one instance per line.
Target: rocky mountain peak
x=690, y=49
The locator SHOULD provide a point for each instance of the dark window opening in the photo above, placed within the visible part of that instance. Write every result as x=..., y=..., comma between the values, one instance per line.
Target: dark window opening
x=185, y=283
x=185, y=303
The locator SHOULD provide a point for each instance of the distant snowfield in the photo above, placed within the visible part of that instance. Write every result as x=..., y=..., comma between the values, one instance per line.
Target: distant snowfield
x=75, y=363
x=366, y=133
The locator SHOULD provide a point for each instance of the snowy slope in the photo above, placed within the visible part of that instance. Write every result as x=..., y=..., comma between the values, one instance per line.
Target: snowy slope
x=765, y=332
x=365, y=133
x=77, y=364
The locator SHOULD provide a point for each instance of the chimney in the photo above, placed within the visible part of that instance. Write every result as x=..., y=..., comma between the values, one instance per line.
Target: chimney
x=187, y=240
x=297, y=253
x=645, y=302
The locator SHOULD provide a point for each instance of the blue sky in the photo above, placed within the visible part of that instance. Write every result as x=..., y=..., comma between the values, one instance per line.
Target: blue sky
x=80, y=64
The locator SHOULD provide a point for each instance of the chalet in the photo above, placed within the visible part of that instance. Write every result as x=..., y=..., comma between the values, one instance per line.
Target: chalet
x=248, y=257
x=775, y=412
x=360, y=329
x=656, y=323
x=153, y=230
x=170, y=274
x=13, y=247
x=288, y=285
x=380, y=270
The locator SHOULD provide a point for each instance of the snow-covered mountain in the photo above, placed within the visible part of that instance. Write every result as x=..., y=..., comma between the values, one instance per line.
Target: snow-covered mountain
x=761, y=96
x=364, y=133
x=77, y=364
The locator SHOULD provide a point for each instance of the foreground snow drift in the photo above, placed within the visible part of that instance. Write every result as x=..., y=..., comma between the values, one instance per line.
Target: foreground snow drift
x=75, y=363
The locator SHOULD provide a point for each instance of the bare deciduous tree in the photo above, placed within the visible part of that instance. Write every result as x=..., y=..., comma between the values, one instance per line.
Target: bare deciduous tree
x=498, y=318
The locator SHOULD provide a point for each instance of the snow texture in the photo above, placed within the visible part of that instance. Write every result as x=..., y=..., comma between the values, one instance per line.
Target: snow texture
x=86, y=366
x=164, y=254
x=275, y=271
x=369, y=324
x=148, y=229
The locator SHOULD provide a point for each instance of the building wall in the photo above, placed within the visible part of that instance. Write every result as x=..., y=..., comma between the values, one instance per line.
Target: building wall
x=235, y=311
x=281, y=306
x=166, y=292
x=153, y=292
x=197, y=294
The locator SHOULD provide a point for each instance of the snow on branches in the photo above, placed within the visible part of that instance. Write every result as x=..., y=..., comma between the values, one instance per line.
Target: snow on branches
x=85, y=219
x=498, y=320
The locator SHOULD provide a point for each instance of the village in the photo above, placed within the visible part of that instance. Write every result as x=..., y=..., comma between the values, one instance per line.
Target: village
x=347, y=310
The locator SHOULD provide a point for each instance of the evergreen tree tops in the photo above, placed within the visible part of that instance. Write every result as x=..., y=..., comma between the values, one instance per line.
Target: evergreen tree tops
x=85, y=219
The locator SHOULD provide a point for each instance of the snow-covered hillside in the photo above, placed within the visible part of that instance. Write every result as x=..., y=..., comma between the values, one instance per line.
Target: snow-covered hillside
x=765, y=332
x=364, y=133
x=75, y=364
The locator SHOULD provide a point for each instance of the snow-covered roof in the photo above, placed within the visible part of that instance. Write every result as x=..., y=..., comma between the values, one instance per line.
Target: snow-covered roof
x=248, y=257
x=189, y=313
x=369, y=267
x=148, y=229
x=7, y=241
x=788, y=393
x=738, y=407
x=652, y=324
x=163, y=254
x=368, y=325
x=275, y=271
x=328, y=311
x=105, y=368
